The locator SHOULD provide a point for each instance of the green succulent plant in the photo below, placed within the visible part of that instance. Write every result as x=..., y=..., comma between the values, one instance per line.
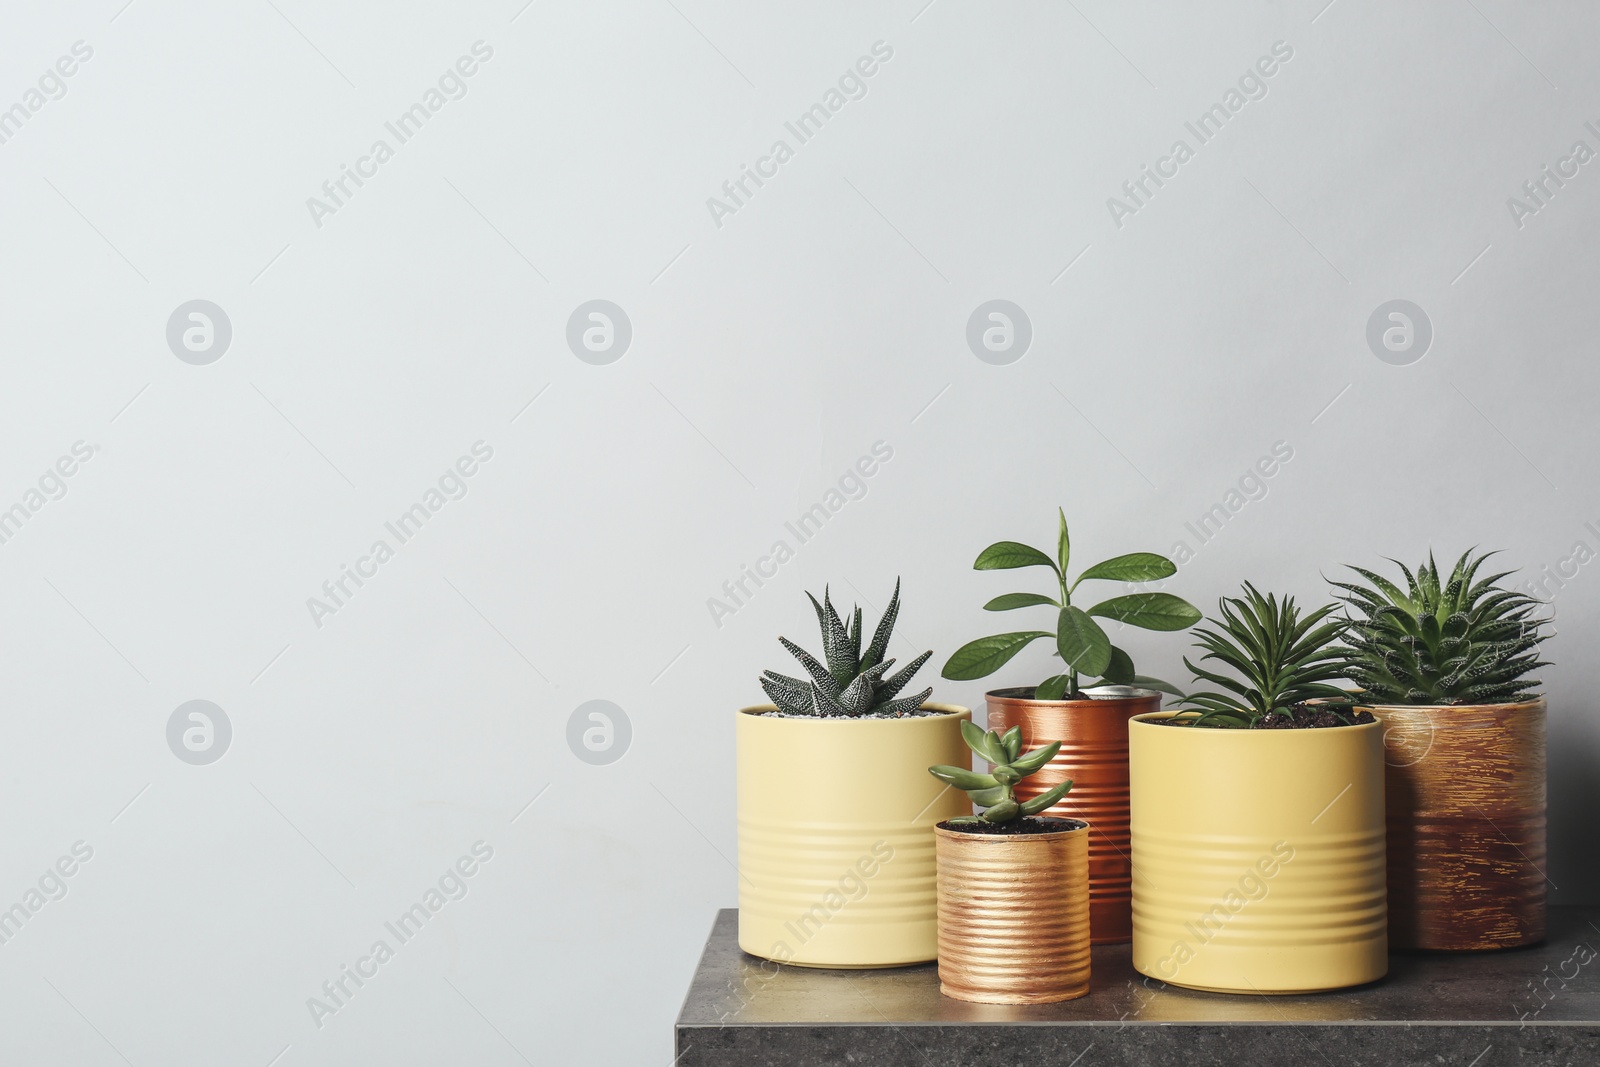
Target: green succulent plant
x=1461, y=640
x=994, y=792
x=1280, y=658
x=852, y=683
x=1080, y=642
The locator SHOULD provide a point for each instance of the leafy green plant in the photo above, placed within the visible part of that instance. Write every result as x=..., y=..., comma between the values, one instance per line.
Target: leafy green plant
x=1080, y=642
x=1281, y=659
x=994, y=792
x=853, y=683
x=1463, y=640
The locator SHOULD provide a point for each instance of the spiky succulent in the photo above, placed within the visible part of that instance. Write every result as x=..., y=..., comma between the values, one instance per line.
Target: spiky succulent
x=994, y=791
x=1281, y=660
x=852, y=684
x=1463, y=640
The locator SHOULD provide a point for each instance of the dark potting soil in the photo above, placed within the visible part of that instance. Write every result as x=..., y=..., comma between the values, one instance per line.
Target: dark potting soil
x=1300, y=717
x=920, y=713
x=1028, y=824
x=1309, y=717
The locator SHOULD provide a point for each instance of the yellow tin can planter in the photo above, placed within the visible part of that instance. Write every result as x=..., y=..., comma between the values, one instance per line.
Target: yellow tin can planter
x=836, y=841
x=1258, y=856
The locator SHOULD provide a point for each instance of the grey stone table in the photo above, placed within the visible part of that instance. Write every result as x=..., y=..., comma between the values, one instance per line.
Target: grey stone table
x=1537, y=1005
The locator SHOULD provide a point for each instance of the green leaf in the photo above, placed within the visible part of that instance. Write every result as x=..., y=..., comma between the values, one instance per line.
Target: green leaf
x=997, y=745
x=895, y=708
x=1012, y=739
x=981, y=658
x=1063, y=542
x=880, y=637
x=1046, y=799
x=1152, y=611
x=1028, y=764
x=1133, y=567
x=979, y=741
x=1004, y=811
x=1052, y=688
x=962, y=778
x=891, y=685
x=1008, y=555
x=819, y=674
x=1120, y=670
x=835, y=641
x=1082, y=643
x=1009, y=601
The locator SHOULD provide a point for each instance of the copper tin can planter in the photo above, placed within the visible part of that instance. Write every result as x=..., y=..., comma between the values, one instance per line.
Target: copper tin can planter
x=1013, y=915
x=1466, y=822
x=1094, y=754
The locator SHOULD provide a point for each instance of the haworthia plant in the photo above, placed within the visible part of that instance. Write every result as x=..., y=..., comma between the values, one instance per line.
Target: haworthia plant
x=847, y=682
x=1461, y=640
x=995, y=792
x=1085, y=648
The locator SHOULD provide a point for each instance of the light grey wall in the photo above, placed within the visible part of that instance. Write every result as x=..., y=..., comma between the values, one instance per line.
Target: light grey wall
x=376, y=340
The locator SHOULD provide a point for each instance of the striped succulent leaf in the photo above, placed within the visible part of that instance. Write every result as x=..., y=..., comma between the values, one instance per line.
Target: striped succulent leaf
x=1456, y=640
x=847, y=683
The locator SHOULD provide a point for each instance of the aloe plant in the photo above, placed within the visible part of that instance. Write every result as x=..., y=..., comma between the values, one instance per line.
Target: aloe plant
x=852, y=683
x=1463, y=640
x=1085, y=648
x=1281, y=660
x=995, y=791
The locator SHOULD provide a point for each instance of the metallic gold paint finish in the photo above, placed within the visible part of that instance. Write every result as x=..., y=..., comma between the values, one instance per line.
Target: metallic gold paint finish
x=1013, y=916
x=836, y=855
x=1258, y=856
x=1466, y=824
x=1094, y=754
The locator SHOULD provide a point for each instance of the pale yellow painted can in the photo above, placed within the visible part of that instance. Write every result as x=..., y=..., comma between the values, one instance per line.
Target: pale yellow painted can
x=836, y=850
x=1258, y=856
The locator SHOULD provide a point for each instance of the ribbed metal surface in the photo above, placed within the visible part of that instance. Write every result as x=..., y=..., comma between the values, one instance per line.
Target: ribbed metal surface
x=835, y=819
x=1094, y=755
x=1337, y=894
x=1258, y=857
x=1013, y=916
x=1466, y=825
x=882, y=870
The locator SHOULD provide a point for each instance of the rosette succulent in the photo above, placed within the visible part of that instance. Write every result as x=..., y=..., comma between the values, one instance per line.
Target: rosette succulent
x=994, y=791
x=1455, y=640
x=850, y=683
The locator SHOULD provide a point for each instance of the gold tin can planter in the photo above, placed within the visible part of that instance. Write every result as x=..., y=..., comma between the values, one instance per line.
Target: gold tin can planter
x=836, y=816
x=1094, y=756
x=1466, y=825
x=1258, y=856
x=1014, y=915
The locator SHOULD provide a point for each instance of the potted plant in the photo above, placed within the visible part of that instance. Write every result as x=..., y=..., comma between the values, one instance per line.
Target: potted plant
x=1444, y=664
x=1013, y=884
x=1258, y=836
x=1090, y=718
x=835, y=809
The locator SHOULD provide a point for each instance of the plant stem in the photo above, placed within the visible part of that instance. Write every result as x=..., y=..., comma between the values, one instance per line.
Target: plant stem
x=1066, y=598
